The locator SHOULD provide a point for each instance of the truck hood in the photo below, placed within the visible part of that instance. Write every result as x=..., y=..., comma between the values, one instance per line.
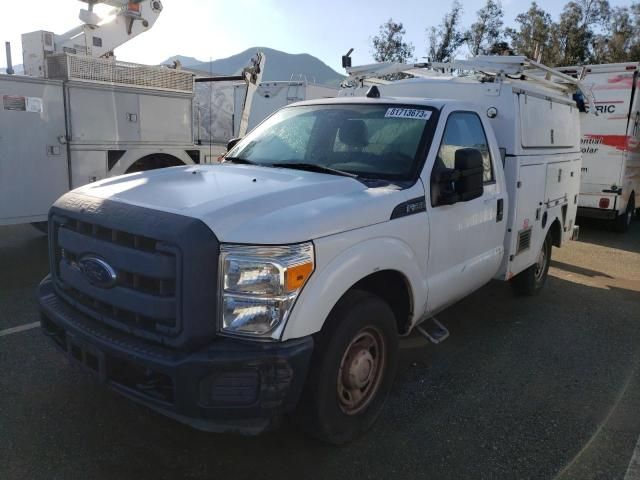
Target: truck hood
x=258, y=205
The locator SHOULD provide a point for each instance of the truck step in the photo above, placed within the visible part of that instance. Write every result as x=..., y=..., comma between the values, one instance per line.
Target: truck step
x=433, y=331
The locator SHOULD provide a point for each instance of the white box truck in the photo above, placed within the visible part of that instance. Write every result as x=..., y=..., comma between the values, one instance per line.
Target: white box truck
x=278, y=282
x=79, y=115
x=610, y=187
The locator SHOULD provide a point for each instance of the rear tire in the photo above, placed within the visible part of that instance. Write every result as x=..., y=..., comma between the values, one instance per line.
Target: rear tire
x=531, y=281
x=623, y=222
x=352, y=369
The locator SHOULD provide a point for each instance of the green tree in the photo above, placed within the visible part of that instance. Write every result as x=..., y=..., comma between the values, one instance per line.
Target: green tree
x=533, y=34
x=486, y=31
x=634, y=49
x=448, y=37
x=575, y=32
x=615, y=43
x=389, y=44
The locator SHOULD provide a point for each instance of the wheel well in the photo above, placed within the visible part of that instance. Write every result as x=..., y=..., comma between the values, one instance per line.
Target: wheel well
x=556, y=233
x=154, y=162
x=393, y=288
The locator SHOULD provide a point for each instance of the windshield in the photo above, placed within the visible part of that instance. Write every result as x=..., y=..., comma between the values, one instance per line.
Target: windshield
x=370, y=141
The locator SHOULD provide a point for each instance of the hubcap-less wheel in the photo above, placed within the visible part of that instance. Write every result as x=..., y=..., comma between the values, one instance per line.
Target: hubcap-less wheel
x=542, y=262
x=361, y=370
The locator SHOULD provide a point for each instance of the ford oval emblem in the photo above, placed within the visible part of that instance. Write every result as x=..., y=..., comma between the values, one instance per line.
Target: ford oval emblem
x=98, y=272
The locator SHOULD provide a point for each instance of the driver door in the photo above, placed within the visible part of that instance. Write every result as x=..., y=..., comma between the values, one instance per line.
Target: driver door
x=466, y=238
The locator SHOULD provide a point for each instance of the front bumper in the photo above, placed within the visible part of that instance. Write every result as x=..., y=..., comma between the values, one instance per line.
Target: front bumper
x=227, y=386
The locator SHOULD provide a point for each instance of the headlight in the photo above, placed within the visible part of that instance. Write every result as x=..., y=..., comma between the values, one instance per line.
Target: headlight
x=261, y=284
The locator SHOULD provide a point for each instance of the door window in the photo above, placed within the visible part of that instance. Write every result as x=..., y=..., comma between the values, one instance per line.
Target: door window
x=464, y=130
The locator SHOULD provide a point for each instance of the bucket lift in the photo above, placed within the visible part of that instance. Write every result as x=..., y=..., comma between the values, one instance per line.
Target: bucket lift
x=97, y=37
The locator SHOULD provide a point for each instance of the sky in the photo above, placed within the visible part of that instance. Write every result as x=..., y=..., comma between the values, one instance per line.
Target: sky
x=213, y=29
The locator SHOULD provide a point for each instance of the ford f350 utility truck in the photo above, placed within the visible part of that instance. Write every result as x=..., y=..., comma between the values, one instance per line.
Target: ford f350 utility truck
x=226, y=296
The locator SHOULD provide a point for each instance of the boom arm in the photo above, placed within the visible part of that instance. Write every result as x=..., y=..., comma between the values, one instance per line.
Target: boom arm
x=98, y=37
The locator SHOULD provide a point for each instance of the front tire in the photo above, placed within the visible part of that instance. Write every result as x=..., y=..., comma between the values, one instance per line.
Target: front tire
x=352, y=369
x=530, y=281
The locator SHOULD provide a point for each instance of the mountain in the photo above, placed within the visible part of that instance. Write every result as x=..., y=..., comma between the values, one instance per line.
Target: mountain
x=279, y=66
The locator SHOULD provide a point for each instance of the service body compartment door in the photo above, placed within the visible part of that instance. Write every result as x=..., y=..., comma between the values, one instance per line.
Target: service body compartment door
x=33, y=162
x=547, y=124
x=166, y=119
x=102, y=115
x=529, y=210
x=558, y=181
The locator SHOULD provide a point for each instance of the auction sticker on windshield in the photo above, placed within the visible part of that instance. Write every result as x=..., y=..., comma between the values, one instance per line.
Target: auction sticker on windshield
x=411, y=113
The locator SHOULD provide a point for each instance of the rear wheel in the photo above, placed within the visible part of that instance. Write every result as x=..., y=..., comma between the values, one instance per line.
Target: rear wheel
x=352, y=369
x=623, y=222
x=530, y=281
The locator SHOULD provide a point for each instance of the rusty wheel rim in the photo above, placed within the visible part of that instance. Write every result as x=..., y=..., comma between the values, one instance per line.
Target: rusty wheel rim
x=361, y=370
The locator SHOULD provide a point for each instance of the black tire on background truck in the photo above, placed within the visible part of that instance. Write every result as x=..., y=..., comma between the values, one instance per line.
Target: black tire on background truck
x=530, y=281
x=623, y=222
x=352, y=369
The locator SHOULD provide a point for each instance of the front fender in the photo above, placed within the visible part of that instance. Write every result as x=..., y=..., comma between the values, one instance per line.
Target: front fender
x=336, y=274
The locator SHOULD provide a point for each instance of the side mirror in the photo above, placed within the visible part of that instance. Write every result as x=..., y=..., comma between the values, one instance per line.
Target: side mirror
x=470, y=165
x=463, y=183
x=232, y=143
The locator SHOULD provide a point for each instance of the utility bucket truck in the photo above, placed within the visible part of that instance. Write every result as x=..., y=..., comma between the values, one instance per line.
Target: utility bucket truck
x=278, y=282
x=610, y=187
x=79, y=115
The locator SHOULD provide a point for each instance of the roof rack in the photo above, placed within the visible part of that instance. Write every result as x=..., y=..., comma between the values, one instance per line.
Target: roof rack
x=497, y=67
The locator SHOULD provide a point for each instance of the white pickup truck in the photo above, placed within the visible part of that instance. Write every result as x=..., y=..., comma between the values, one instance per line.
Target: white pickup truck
x=226, y=296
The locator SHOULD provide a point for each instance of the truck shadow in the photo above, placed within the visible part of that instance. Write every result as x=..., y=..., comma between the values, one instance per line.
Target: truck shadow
x=24, y=261
x=598, y=232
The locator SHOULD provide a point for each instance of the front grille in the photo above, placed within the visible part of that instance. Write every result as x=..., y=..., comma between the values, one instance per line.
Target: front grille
x=144, y=298
x=165, y=264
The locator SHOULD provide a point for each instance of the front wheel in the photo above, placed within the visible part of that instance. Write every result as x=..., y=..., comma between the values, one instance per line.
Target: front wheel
x=352, y=370
x=530, y=281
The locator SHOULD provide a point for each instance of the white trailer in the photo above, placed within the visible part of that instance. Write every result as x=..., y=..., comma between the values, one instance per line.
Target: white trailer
x=610, y=187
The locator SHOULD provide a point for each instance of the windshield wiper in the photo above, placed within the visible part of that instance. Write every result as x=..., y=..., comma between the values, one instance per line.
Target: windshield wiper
x=313, y=167
x=239, y=161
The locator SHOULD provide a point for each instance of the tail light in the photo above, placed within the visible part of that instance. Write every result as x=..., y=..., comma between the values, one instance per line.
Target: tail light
x=604, y=203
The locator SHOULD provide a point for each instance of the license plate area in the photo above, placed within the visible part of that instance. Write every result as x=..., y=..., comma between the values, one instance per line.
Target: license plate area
x=90, y=358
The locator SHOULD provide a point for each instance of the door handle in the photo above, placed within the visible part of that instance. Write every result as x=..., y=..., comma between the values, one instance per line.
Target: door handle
x=500, y=211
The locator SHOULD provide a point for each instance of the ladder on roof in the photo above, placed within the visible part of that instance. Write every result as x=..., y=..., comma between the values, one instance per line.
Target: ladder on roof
x=498, y=67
